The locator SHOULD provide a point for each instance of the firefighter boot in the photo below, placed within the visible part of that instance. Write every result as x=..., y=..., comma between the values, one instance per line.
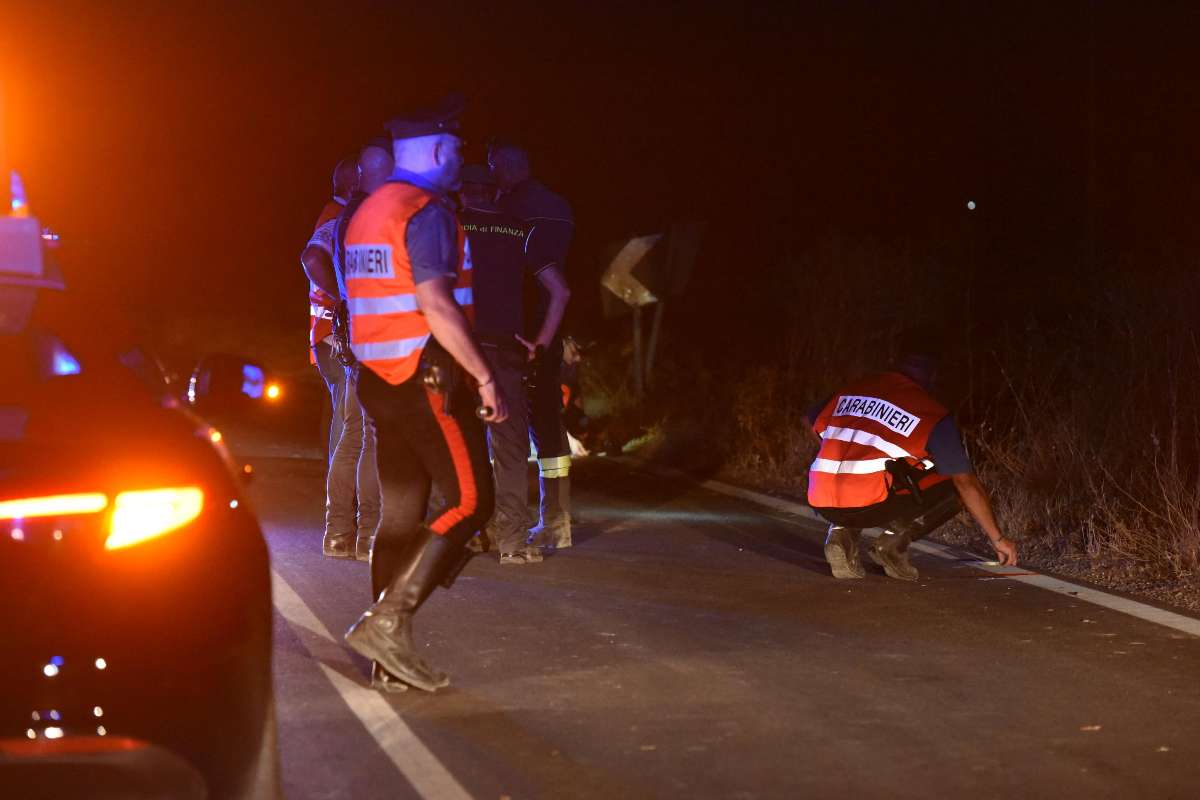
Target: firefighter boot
x=841, y=551
x=384, y=633
x=338, y=545
x=890, y=551
x=553, y=532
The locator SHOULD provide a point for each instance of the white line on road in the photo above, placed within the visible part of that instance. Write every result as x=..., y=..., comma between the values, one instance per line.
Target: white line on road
x=1133, y=608
x=420, y=767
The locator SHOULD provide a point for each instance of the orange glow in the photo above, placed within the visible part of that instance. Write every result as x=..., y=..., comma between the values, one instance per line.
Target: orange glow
x=273, y=391
x=140, y=516
x=60, y=505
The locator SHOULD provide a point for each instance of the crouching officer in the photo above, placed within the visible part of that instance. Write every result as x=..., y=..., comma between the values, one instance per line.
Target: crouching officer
x=891, y=457
x=408, y=281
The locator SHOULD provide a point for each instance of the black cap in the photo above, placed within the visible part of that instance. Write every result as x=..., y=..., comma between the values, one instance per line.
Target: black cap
x=477, y=173
x=426, y=122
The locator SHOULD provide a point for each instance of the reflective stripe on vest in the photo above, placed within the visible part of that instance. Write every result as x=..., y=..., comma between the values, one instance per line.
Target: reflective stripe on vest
x=388, y=330
x=872, y=422
x=399, y=303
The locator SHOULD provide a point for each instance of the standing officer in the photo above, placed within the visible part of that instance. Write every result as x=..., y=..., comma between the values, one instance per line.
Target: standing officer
x=317, y=261
x=891, y=456
x=352, y=501
x=408, y=280
x=500, y=265
x=551, y=226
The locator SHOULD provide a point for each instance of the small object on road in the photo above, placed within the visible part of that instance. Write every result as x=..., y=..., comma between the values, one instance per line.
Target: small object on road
x=1163, y=749
x=1089, y=728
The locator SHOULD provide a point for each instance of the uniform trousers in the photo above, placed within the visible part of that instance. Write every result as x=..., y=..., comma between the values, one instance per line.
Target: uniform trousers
x=546, y=405
x=352, y=486
x=901, y=512
x=509, y=445
x=418, y=445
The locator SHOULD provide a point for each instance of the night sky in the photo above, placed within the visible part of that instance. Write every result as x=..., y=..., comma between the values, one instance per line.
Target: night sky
x=184, y=149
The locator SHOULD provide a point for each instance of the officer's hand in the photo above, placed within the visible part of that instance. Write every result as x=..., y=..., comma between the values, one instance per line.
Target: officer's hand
x=1007, y=551
x=530, y=346
x=491, y=399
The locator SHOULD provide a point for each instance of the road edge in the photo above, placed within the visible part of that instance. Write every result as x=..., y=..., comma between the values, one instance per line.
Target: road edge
x=1134, y=608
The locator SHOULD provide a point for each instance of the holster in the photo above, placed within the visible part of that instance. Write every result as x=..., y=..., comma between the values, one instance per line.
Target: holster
x=905, y=477
x=341, y=335
x=440, y=372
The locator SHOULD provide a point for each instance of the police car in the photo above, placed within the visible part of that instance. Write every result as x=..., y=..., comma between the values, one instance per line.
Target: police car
x=135, y=605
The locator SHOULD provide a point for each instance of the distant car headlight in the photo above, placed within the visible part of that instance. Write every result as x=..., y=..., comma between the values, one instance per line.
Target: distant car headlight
x=274, y=391
x=143, y=515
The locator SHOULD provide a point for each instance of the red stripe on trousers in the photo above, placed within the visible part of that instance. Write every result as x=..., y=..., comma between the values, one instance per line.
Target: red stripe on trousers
x=468, y=494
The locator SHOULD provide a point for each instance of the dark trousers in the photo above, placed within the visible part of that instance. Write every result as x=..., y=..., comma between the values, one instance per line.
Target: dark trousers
x=902, y=513
x=509, y=443
x=418, y=445
x=546, y=406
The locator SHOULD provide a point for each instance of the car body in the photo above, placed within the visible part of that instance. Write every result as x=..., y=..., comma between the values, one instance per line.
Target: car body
x=135, y=637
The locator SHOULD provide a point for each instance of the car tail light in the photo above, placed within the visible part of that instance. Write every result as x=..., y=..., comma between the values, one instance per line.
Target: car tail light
x=143, y=515
x=59, y=505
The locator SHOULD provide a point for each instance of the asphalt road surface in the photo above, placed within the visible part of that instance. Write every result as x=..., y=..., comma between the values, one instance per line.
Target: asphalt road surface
x=695, y=645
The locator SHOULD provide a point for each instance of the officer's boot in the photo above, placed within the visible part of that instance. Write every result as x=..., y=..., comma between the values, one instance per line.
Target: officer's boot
x=338, y=545
x=553, y=532
x=890, y=551
x=385, y=554
x=384, y=633
x=841, y=551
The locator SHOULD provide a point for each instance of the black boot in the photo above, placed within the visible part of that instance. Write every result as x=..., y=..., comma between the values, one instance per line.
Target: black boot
x=384, y=633
x=841, y=551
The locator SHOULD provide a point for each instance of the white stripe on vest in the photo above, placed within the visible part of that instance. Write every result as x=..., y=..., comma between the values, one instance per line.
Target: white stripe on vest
x=869, y=439
x=399, y=303
x=866, y=467
x=393, y=348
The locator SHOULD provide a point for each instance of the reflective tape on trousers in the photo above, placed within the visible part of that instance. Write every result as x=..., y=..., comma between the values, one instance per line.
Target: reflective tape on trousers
x=556, y=467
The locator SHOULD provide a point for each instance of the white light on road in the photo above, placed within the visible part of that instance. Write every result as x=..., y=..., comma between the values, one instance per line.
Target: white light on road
x=970, y=205
x=101, y=663
x=54, y=733
x=50, y=670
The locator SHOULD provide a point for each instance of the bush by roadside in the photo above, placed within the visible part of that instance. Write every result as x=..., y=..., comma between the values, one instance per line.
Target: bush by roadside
x=1078, y=398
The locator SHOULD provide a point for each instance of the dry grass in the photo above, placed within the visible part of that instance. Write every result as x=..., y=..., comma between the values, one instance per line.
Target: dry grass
x=1082, y=415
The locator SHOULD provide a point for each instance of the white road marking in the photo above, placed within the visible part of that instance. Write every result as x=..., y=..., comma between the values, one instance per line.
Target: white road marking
x=420, y=767
x=1133, y=608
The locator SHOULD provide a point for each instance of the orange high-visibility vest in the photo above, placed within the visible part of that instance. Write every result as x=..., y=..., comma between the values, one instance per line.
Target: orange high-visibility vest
x=320, y=316
x=878, y=419
x=388, y=330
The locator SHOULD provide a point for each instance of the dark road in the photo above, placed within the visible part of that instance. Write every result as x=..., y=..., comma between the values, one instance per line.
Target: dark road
x=694, y=645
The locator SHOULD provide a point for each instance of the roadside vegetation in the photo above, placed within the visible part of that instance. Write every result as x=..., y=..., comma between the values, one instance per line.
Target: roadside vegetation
x=1078, y=393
